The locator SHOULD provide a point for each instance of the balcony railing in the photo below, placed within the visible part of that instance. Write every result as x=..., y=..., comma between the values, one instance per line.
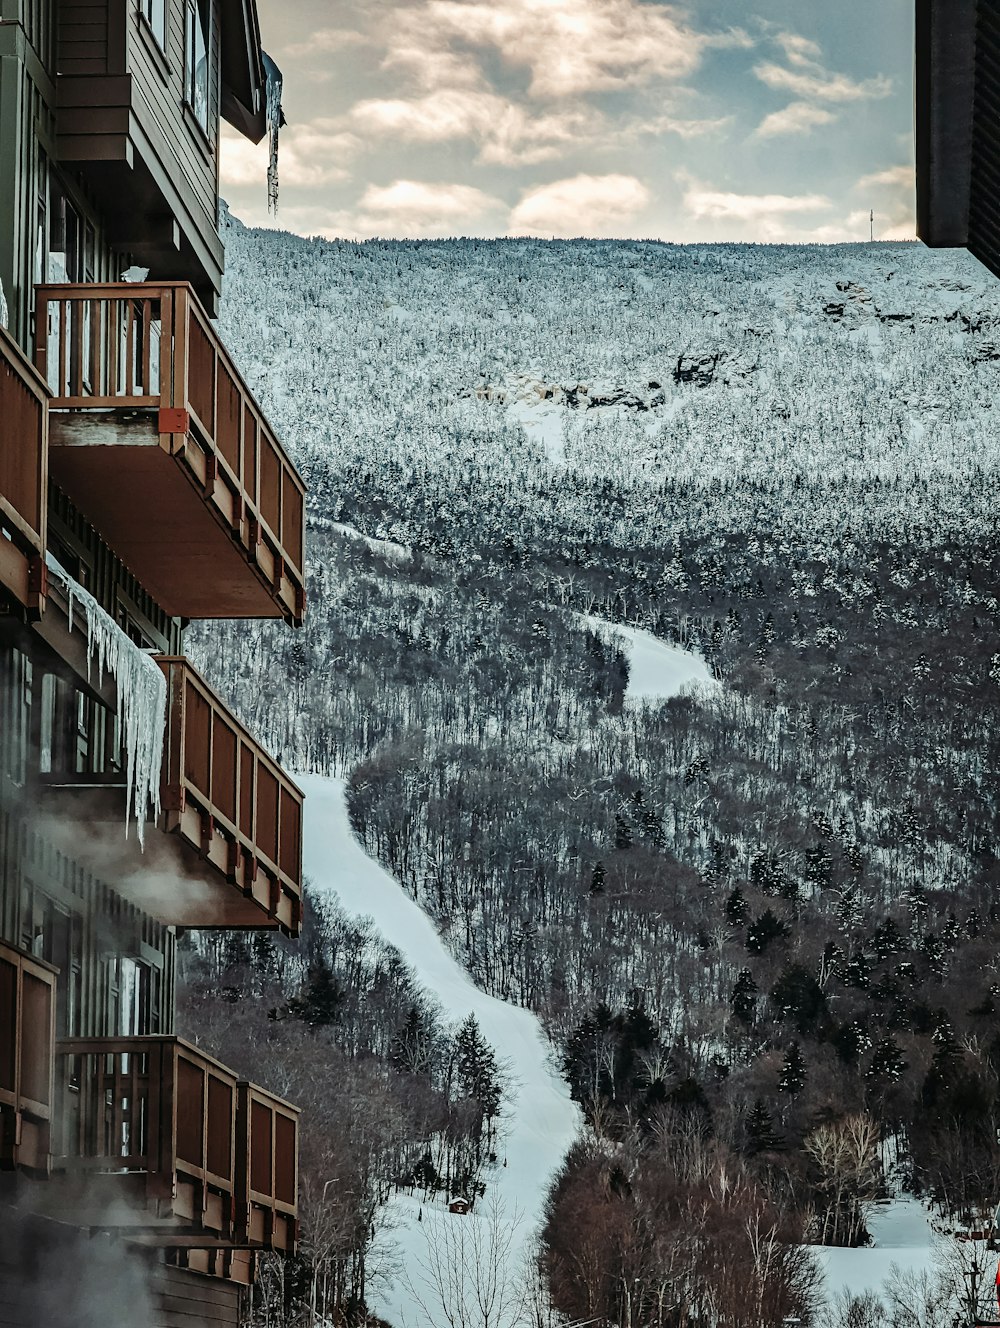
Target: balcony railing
x=24, y=442
x=228, y=800
x=140, y=369
x=27, y=1030
x=230, y=817
x=167, y=1143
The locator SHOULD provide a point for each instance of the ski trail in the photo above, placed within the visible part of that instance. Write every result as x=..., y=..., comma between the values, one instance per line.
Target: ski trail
x=542, y=1118
x=656, y=670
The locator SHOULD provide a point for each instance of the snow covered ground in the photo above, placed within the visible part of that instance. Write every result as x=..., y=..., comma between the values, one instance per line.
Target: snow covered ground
x=902, y=1235
x=657, y=670
x=543, y=1118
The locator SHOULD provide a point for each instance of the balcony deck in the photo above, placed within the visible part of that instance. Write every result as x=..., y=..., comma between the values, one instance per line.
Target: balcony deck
x=27, y=1031
x=229, y=854
x=163, y=1142
x=157, y=438
x=24, y=441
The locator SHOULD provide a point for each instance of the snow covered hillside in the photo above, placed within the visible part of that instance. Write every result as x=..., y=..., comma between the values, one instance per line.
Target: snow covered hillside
x=475, y=370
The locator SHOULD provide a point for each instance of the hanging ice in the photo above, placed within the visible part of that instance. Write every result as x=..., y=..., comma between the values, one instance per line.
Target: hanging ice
x=142, y=698
x=275, y=118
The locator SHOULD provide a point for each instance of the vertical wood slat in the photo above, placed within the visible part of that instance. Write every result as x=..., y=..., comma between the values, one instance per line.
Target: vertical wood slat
x=129, y=311
x=76, y=359
x=111, y=383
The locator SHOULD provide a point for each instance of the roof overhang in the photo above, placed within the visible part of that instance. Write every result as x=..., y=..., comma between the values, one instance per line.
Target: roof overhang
x=958, y=126
x=243, y=84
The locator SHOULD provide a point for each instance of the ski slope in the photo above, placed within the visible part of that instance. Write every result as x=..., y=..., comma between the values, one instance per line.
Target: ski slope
x=542, y=1118
x=656, y=670
x=901, y=1237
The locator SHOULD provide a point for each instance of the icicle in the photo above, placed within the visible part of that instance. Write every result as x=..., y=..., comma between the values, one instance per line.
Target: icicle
x=142, y=699
x=275, y=118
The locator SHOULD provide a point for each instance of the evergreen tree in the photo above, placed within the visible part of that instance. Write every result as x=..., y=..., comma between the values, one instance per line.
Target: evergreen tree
x=597, y=878
x=766, y=929
x=744, y=998
x=319, y=1003
x=887, y=1064
x=737, y=909
x=792, y=1078
x=759, y=1133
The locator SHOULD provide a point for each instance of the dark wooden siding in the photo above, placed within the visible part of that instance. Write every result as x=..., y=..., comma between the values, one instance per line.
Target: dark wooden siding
x=187, y=154
x=190, y=1300
x=84, y=36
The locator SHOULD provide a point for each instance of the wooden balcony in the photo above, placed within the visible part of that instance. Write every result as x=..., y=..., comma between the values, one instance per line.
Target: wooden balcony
x=157, y=438
x=229, y=854
x=24, y=441
x=27, y=1031
x=232, y=806
x=164, y=1142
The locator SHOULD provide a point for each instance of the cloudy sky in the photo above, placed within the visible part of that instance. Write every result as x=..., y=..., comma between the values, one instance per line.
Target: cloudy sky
x=763, y=120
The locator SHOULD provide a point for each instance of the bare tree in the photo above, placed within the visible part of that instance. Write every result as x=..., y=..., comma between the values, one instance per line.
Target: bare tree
x=471, y=1273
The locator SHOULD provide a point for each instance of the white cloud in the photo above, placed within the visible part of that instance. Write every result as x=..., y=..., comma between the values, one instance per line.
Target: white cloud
x=310, y=155
x=798, y=50
x=797, y=118
x=813, y=83
x=507, y=134
x=412, y=209
x=895, y=177
x=773, y=218
x=593, y=205
x=568, y=47
x=814, y=87
x=328, y=41
x=890, y=194
x=704, y=202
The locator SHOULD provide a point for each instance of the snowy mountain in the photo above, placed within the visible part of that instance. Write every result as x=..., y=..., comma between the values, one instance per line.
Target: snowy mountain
x=757, y=920
x=529, y=374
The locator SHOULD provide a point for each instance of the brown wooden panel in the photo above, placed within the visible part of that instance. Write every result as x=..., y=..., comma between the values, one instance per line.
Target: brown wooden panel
x=290, y=859
x=224, y=766
x=285, y=1153
x=197, y=740
x=221, y=1113
x=270, y=489
x=248, y=792
x=8, y=1025
x=267, y=812
x=190, y=1113
x=227, y=425
x=36, y=1051
x=291, y=519
x=261, y=1126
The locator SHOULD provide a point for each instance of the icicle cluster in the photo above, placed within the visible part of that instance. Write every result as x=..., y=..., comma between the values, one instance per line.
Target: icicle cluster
x=275, y=119
x=142, y=698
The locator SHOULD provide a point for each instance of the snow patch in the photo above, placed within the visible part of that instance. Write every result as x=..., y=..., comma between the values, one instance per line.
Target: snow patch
x=901, y=1234
x=542, y=422
x=656, y=671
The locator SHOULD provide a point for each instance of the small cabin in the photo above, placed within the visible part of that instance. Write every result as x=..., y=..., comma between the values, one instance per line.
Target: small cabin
x=459, y=1205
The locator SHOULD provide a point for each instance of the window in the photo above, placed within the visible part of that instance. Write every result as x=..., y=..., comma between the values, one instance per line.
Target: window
x=64, y=236
x=197, y=26
x=155, y=14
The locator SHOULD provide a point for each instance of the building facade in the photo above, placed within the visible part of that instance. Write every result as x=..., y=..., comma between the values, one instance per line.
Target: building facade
x=957, y=112
x=141, y=487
